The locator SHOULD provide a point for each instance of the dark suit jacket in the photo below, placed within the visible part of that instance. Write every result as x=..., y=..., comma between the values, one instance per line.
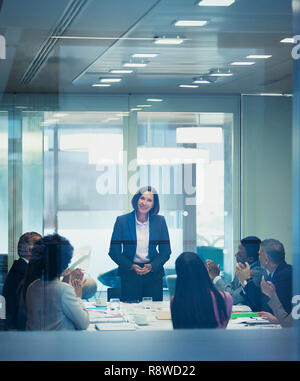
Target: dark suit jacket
x=282, y=279
x=123, y=243
x=11, y=284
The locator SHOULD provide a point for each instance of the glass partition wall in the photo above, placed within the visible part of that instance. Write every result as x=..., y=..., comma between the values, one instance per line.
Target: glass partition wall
x=81, y=166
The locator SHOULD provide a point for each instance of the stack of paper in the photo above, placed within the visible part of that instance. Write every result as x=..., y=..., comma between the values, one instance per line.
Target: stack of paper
x=115, y=327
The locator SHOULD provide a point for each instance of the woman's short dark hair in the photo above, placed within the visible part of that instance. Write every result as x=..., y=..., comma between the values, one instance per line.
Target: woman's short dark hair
x=57, y=255
x=50, y=257
x=192, y=306
x=135, y=199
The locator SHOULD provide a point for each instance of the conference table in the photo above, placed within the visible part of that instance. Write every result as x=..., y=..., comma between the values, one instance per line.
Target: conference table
x=134, y=316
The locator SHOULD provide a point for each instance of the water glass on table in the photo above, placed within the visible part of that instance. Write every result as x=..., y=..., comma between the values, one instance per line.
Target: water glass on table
x=147, y=302
x=114, y=305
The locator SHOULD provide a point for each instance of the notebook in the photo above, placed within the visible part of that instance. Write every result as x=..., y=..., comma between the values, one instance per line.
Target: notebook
x=163, y=315
x=115, y=327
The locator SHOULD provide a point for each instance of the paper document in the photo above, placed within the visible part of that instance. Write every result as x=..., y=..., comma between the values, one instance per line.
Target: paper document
x=115, y=327
x=163, y=315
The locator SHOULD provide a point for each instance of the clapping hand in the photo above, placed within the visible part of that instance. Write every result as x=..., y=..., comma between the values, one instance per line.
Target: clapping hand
x=77, y=285
x=71, y=274
x=243, y=272
x=267, y=288
x=212, y=269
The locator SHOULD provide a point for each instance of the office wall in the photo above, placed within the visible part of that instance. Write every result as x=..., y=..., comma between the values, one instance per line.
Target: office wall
x=266, y=172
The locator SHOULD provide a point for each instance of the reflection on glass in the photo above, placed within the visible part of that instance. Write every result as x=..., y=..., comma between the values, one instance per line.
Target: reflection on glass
x=183, y=156
x=84, y=176
x=4, y=182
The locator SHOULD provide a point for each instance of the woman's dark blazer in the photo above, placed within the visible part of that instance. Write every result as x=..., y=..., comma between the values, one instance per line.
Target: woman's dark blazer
x=123, y=243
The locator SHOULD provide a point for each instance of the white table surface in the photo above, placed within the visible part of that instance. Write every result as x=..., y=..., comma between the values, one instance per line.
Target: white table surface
x=128, y=310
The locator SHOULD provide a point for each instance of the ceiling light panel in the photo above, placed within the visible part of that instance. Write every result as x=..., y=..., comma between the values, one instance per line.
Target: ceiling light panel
x=116, y=71
x=135, y=64
x=215, y=3
x=190, y=22
x=110, y=80
x=154, y=100
x=144, y=55
x=242, y=63
x=259, y=56
x=219, y=74
x=100, y=85
x=189, y=86
x=168, y=41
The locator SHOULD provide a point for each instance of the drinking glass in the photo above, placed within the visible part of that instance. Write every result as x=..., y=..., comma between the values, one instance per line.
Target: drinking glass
x=147, y=302
x=114, y=305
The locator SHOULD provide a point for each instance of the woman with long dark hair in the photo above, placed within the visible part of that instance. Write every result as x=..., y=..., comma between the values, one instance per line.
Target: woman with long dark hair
x=197, y=303
x=140, y=246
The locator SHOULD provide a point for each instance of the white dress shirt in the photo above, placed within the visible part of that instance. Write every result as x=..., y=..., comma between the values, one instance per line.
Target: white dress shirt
x=142, y=241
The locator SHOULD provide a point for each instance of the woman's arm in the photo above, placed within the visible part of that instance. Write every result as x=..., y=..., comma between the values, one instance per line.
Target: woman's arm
x=115, y=249
x=285, y=319
x=73, y=308
x=164, y=247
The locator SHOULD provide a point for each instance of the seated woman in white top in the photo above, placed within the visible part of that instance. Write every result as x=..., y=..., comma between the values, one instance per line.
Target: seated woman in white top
x=50, y=303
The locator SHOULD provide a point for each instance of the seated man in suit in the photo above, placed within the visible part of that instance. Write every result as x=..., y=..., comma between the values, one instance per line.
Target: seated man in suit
x=15, y=276
x=247, y=252
x=272, y=258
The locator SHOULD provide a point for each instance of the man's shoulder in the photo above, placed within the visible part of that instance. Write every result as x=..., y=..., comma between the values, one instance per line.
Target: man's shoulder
x=283, y=271
x=18, y=267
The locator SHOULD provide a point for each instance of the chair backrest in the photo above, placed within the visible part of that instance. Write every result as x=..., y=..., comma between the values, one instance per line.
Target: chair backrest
x=171, y=283
x=110, y=278
x=114, y=292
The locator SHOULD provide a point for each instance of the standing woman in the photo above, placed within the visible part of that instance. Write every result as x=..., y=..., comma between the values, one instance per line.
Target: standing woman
x=140, y=246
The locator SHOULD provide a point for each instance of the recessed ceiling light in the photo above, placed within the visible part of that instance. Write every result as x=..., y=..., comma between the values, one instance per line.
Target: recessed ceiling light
x=168, y=40
x=59, y=115
x=154, y=100
x=191, y=22
x=100, y=85
x=201, y=81
x=120, y=71
x=271, y=94
x=192, y=86
x=144, y=55
x=112, y=80
x=242, y=63
x=288, y=40
x=135, y=109
x=216, y=3
x=259, y=56
x=135, y=64
x=144, y=106
x=221, y=74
